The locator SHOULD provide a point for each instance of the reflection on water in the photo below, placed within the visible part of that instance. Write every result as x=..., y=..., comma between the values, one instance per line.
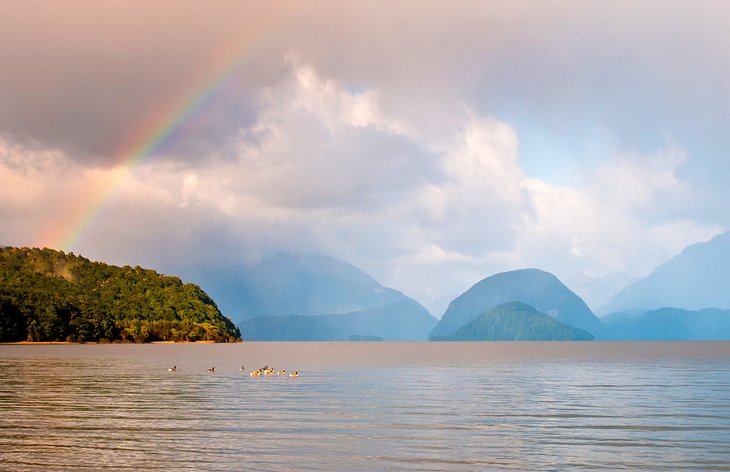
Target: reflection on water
x=367, y=406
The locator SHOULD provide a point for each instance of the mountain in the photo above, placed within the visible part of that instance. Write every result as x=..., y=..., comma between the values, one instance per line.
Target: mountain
x=48, y=295
x=288, y=286
x=403, y=320
x=668, y=324
x=516, y=321
x=696, y=278
x=534, y=287
x=296, y=284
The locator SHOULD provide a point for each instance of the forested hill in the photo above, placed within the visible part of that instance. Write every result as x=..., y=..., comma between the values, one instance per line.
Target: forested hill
x=48, y=295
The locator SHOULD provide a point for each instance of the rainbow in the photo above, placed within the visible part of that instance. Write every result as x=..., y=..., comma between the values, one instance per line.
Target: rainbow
x=153, y=132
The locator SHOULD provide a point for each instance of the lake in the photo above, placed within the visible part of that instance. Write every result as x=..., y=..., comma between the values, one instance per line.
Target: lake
x=367, y=406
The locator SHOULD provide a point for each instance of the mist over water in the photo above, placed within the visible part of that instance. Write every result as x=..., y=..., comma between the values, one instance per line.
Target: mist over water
x=367, y=406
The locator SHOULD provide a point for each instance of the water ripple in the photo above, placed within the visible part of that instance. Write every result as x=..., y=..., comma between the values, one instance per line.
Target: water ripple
x=92, y=407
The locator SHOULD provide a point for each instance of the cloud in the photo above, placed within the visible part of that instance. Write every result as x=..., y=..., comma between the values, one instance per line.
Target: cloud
x=37, y=184
x=476, y=207
x=86, y=75
x=431, y=144
x=627, y=216
x=325, y=169
x=317, y=146
x=80, y=77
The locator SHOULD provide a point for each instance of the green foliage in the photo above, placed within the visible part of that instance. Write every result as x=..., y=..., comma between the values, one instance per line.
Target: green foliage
x=516, y=321
x=47, y=295
x=535, y=287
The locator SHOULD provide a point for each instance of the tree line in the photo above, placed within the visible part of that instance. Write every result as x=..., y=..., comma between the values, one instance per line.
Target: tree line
x=48, y=295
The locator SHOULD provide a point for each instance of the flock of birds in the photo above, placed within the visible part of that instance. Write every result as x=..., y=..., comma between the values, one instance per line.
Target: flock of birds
x=265, y=370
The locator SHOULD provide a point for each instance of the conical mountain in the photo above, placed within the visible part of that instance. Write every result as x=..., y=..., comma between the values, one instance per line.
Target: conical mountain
x=517, y=321
x=696, y=278
x=534, y=287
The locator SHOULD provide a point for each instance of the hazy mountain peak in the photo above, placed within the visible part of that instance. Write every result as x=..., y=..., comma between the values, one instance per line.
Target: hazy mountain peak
x=312, y=284
x=287, y=284
x=696, y=278
x=314, y=264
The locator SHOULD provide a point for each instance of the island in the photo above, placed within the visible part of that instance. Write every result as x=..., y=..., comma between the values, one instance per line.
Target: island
x=48, y=295
x=516, y=321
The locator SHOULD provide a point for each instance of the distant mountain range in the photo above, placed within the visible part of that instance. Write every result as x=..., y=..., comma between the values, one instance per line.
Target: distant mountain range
x=316, y=297
x=669, y=324
x=404, y=320
x=699, y=277
x=296, y=284
x=534, y=287
x=298, y=297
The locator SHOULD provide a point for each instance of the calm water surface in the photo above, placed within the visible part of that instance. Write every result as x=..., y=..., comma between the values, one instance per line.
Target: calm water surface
x=367, y=406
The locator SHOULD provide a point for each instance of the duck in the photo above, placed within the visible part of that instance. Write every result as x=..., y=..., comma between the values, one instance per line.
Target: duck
x=255, y=373
x=282, y=372
x=212, y=369
x=242, y=368
x=294, y=374
x=172, y=369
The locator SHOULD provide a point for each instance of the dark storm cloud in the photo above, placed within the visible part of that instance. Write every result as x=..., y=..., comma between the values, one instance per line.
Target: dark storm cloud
x=81, y=75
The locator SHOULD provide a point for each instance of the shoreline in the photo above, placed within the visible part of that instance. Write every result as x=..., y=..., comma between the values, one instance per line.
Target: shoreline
x=52, y=343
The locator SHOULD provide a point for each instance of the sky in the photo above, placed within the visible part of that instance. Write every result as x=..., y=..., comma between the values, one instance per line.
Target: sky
x=429, y=143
